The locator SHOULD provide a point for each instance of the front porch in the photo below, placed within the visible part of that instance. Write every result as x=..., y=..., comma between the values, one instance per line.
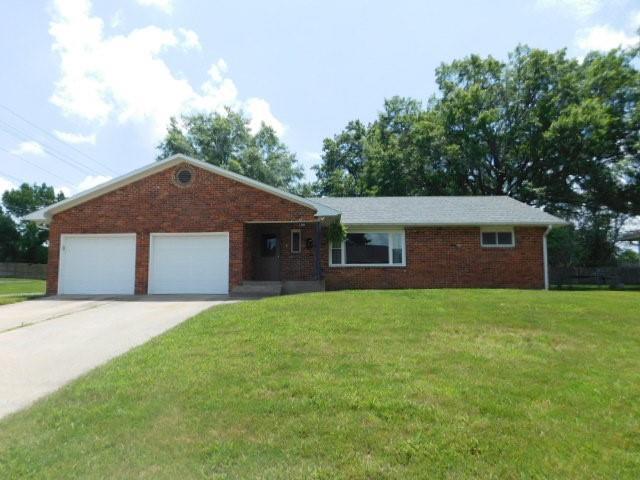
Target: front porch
x=281, y=258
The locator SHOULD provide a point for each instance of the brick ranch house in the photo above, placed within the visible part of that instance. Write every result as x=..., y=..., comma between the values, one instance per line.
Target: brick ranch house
x=184, y=226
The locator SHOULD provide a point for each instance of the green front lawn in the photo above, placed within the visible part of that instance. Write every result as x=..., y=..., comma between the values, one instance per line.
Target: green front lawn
x=18, y=289
x=398, y=384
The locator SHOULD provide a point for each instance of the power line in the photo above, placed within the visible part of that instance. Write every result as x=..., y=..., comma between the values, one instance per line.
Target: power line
x=4, y=107
x=20, y=135
x=16, y=179
x=35, y=165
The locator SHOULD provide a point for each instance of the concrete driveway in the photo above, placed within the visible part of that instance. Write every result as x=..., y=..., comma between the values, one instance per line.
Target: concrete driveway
x=46, y=343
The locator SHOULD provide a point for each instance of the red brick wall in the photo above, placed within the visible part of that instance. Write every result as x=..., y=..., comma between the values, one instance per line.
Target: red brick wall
x=436, y=257
x=212, y=203
x=297, y=266
x=450, y=257
x=293, y=266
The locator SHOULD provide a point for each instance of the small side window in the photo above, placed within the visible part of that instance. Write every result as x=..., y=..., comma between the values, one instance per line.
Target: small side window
x=489, y=238
x=497, y=237
x=295, y=241
x=505, y=238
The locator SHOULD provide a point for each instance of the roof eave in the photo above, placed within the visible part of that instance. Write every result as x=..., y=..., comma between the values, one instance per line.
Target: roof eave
x=45, y=214
x=456, y=224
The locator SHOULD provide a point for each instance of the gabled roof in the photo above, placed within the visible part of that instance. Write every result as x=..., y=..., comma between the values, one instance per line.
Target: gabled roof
x=469, y=210
x=45, y=214
x=450, y=210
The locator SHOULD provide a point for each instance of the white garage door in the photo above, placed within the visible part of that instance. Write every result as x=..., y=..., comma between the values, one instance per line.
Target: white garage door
x=189, y=263
x=97, y=264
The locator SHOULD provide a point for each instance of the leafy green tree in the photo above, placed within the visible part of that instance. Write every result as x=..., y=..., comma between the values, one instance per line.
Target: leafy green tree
x=26, y=241
x=342, y=169
x=225, y=140
x=29, y=198
x=9, y=237
x=628, y=257
x=541, y=127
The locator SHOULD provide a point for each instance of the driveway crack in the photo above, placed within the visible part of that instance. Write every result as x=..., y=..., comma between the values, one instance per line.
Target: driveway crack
x=55, y=317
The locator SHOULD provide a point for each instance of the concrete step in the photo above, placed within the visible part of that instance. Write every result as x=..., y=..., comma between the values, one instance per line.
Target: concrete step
x=258, y=289
x=302, y=286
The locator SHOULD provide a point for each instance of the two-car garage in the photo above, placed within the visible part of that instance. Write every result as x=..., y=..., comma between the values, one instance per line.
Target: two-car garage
x=179, y=263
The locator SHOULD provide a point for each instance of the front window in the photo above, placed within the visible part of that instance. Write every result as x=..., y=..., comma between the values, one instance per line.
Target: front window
x=369, y=248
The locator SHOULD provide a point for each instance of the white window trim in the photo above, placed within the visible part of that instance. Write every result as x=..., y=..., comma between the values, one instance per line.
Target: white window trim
x=296, y=230
x=370, y=265
x=510, y=230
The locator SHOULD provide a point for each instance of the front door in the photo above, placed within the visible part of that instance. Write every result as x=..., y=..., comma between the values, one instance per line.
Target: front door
x=268, y=261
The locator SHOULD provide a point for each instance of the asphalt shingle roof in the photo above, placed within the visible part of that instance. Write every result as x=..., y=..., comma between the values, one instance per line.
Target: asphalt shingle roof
x=450, y=210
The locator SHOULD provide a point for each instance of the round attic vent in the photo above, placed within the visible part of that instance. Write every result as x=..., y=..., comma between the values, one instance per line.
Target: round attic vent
x=184, y=177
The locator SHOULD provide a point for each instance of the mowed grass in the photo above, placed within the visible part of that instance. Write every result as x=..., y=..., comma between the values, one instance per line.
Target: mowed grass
x=397, y=384
x=14, y=290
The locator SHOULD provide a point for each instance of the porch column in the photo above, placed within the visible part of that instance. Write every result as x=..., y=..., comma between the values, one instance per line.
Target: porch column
x=316, y=245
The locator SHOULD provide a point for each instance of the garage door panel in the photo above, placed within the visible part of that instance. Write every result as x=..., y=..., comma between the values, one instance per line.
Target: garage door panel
x=97, y=264
x=191, y=263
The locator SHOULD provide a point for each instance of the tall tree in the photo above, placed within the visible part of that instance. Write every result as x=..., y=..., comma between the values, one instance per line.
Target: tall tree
x=540, y=127
x=9, y=237
x=342, y=169
x=26, y=241
x=225, y=140
x=29, y=198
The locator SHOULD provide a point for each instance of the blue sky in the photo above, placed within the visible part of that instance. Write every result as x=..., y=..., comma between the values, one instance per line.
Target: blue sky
x=88, y=86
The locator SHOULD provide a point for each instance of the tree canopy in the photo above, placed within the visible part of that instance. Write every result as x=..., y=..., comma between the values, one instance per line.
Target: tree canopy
x=541, y=127
x=225, y=140
x=23, y=241
x=546, y=129
x=549, y=130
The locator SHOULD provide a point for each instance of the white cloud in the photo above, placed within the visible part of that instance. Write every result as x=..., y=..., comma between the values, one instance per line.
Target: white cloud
x=68, y=192
x=164, y=5
x=634, y=20
x=116, y=19
x=91, y=181
x=75, y=138
x=28, y=148
x=604, y=38
x=190, y=39
x=578, y=8
x=124, y=77
x=5, y=185
x=86, y=183
x=259, y=112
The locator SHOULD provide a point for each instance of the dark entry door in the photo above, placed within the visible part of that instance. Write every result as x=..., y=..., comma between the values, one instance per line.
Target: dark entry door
x=268, y=264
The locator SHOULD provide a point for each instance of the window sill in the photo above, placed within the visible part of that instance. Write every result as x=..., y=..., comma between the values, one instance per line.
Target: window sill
x=368, y=265
x=498, y=246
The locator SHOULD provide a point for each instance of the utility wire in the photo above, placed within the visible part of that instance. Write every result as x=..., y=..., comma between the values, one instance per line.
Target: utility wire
x=4, y=107
x=15, y=179
x=35, y=165
x=20, y=135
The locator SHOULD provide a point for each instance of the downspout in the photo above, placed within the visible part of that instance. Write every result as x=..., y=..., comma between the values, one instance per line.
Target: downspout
x=316, y=245
x=545, y=257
